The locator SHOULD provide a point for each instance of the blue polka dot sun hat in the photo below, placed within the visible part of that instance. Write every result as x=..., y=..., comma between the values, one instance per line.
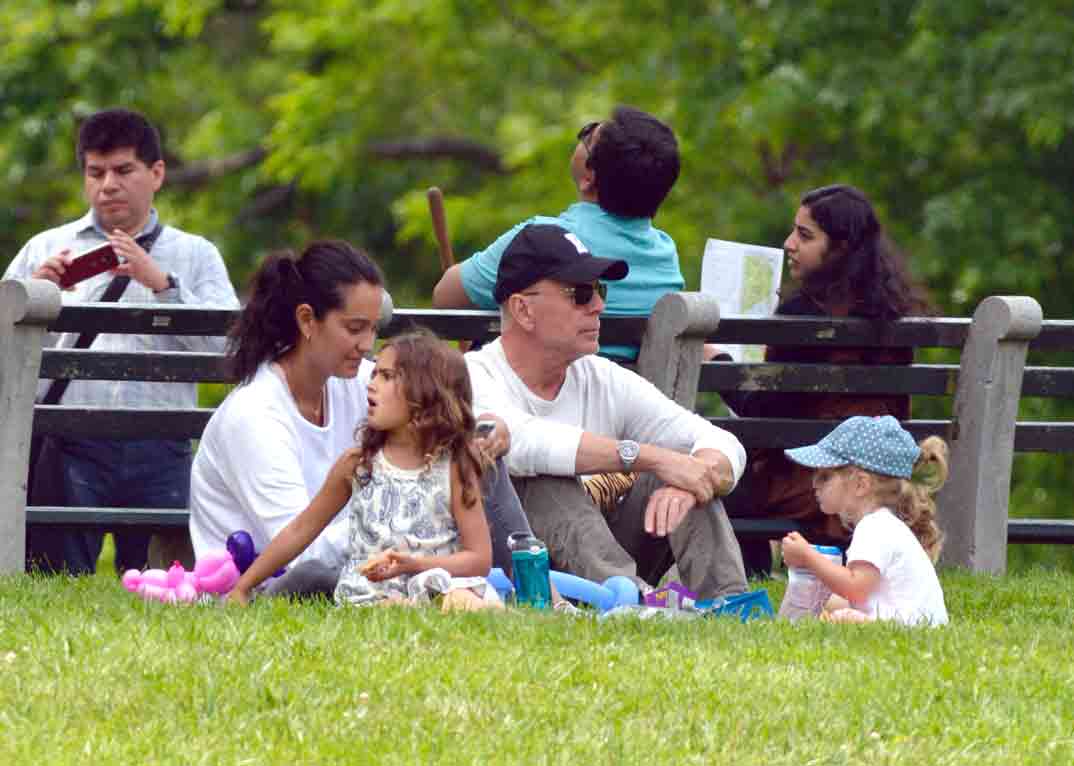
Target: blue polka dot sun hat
x=878, y=444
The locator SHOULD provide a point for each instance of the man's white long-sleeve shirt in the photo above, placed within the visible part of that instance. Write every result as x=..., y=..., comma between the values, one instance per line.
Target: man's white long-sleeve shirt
x=598, y=396
x=203, y=281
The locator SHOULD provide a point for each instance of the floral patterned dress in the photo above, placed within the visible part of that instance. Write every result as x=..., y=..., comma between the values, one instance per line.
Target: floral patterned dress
x=405, y=509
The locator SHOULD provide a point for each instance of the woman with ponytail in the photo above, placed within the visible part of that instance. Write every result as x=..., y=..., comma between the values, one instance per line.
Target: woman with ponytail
x=298, y=350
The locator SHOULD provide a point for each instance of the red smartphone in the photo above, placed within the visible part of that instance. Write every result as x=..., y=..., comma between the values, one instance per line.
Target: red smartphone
x=90, y=264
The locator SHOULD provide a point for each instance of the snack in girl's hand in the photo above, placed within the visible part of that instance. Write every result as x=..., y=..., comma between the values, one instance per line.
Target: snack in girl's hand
x=378, y=563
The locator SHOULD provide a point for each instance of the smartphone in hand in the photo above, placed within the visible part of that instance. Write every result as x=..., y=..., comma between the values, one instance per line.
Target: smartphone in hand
x=89, y=264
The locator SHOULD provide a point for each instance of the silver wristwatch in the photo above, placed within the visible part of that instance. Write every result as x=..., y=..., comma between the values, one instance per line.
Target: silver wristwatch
x=173, y=282
x=628, y=452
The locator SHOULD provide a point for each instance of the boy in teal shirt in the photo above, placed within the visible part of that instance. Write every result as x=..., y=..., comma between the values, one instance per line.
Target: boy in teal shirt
x=623, y=169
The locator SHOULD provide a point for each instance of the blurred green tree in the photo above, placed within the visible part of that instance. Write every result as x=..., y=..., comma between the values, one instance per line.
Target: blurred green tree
x=289, y=120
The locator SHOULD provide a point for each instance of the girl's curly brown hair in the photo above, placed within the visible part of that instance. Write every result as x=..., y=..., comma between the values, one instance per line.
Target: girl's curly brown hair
x=914, y=500
x=436, y=385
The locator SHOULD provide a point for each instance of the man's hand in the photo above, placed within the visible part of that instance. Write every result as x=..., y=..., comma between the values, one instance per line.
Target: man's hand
x=54, y=267
x=701, y=478
x=136, y=263
x=667, y=508
x=498, y=443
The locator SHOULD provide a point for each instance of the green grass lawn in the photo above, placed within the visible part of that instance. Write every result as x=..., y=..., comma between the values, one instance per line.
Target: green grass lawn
x=92, y=675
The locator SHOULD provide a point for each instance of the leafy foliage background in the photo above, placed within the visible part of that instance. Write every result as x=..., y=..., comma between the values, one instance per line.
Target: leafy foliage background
x=289, y=120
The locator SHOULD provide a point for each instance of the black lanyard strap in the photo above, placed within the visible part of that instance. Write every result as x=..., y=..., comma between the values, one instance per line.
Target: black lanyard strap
x=111, y=294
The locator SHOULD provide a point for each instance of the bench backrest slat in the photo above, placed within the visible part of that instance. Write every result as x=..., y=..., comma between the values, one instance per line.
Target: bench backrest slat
x=931, y=380
x=942, y=332
x=784, y=433
x=157, y=366
x=1050, y=382
x=153, y=319
x=101, y=423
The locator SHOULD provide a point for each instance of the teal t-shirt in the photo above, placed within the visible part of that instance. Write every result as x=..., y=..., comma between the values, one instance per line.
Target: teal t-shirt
x=650, y=253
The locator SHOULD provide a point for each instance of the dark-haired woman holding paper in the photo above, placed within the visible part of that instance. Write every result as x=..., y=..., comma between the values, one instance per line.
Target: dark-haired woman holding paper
x=844, y=266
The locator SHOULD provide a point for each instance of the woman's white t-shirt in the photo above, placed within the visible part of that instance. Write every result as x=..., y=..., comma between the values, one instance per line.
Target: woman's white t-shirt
x=260, y=463
x=909, y=590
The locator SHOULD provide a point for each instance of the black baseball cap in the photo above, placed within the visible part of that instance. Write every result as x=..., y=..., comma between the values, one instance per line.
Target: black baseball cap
x=546, y=251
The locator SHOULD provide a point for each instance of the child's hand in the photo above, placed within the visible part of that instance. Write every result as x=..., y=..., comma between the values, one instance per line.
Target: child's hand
x=237, y=596
x=796, y=550
x=390, y=564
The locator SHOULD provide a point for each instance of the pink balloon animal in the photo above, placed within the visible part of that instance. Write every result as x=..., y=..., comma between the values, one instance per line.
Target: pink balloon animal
x=215, y=573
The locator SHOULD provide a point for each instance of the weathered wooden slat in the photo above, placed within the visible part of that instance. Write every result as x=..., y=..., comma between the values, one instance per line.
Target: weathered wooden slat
x=450, y=325
x=103, y=423
x=1055, y=335
x=926, y=379
x=784, y=433
x=1037, y=531
x=1052, y=382
x=485, y=325
x=154, y=319
x=457, y=324
x=766, y=529
x=108, y=517
x=1040, y=436
x=944, y=332
x=159, y=366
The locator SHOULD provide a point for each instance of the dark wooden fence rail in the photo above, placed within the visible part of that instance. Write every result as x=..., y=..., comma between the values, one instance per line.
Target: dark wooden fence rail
x=918, y=379
x=671, y=346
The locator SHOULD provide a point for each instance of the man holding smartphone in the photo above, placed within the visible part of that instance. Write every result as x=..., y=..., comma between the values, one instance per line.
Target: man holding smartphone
x=122, y=166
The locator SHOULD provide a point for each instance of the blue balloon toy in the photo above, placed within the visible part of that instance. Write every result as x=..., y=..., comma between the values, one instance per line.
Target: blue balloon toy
x=241, y=547
x=615, y=591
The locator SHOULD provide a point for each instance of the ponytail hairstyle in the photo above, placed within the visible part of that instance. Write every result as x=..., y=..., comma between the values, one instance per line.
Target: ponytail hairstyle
x=913, y=500
x=864, y=271
x=436, y=385
x=267, y=328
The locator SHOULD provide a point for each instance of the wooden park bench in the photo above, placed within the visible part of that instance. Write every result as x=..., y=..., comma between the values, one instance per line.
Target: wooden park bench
x=982, y=432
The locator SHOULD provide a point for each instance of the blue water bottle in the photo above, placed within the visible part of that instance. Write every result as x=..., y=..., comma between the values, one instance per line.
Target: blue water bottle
x=529, y=564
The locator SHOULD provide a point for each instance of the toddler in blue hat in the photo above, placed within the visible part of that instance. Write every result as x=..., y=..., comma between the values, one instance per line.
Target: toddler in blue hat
x=871, y=474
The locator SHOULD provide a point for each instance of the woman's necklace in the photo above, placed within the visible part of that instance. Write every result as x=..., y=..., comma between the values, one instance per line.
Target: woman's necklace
x=314, y=413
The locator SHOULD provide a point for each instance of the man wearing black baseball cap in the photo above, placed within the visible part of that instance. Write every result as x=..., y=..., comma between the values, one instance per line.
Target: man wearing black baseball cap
x=564, y=412
x=546, y=251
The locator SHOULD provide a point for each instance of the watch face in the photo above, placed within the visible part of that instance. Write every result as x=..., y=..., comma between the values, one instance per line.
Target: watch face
x=628, y=452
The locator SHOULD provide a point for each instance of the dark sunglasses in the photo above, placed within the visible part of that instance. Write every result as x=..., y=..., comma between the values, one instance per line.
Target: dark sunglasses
x=586, y=132
x=583, y=294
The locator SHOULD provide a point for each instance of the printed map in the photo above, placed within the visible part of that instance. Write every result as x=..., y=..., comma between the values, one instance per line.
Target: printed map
x=745, y=280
